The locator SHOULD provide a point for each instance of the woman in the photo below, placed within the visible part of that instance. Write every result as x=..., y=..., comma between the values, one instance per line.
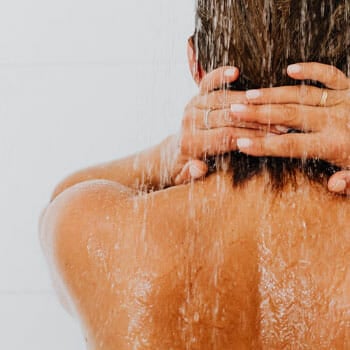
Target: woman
x=209, y=265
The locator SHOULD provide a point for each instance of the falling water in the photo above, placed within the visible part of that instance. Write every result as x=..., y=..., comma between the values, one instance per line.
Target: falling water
x=247, y=266
x=214, y=264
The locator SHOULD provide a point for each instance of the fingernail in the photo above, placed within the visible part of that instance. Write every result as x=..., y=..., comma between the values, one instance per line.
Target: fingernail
x=230, y=72
x=294, y=68
x=195, y=171
x=252, y=94
x=338, y=186
x=244, y=143
x=238, y=107
x=281, y=128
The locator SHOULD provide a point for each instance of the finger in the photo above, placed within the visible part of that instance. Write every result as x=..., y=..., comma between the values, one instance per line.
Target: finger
x=300, y=94
x=217, y=78
x=215, y=141
x=193, y=169
x=290, y=145
x=219, y=118
x=218, y=99
x=340, y=182
x=329, y=76
x=305, y=118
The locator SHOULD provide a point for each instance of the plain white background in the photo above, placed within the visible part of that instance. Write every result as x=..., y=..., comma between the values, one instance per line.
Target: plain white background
x=81, y=82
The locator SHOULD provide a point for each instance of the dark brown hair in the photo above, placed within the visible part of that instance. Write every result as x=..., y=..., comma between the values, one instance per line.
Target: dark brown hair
x=261, y=38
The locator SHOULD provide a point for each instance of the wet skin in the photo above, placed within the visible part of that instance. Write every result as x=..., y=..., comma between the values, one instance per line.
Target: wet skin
x=204, y=266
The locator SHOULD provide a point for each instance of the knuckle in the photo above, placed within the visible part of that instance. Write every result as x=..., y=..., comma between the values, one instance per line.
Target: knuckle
x=289, y=113
x=336, y=97
x=305, y=92
x=217, y=99
x=227, y=139
x=189, y=118
x=195, y=102
x=226, y=116
x=261, y=114
x=185, y=122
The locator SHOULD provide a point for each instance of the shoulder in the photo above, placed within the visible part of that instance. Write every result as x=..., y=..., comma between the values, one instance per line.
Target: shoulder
x=77, y=230
x=106, y=210
x=94, y=227
x=86, y=211
x=78, y=207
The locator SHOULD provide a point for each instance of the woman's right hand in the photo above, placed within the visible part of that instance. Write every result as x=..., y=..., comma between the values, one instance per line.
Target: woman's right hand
x=205, y=133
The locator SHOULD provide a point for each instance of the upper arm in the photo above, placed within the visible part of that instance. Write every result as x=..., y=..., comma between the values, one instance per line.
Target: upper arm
x=78, y=230
x=99, y=239
x=102, y=173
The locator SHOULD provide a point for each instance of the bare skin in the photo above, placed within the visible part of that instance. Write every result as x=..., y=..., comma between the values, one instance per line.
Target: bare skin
x=178, y=159
x=326, y=127
x=203, y=265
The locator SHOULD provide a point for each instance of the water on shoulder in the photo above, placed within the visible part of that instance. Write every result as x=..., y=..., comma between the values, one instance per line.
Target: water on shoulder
x=214, y=267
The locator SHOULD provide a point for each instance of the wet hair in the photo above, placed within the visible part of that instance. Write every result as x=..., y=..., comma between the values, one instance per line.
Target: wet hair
x=261, y=38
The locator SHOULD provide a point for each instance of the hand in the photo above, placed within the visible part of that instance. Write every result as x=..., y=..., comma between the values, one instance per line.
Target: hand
x=216, y=135
x=326, y=128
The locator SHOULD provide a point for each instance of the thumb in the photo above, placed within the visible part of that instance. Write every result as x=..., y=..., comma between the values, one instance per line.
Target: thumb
x=340, y=182
x=194, y=169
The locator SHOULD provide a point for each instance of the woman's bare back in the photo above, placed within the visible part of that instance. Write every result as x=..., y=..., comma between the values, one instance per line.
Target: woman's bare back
x=205, y=266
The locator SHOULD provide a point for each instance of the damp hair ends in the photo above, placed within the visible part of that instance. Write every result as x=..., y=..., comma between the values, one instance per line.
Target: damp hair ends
x=261, y=38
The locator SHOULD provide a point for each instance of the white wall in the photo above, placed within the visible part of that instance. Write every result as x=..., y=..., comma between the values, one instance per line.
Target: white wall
x=81, y=82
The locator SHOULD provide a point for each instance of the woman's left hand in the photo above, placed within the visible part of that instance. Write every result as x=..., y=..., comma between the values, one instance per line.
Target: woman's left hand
x=340, y=182
x=322, y=115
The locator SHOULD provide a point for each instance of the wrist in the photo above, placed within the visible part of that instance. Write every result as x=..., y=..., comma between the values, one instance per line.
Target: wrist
x=155, y=165
x=168, y=154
